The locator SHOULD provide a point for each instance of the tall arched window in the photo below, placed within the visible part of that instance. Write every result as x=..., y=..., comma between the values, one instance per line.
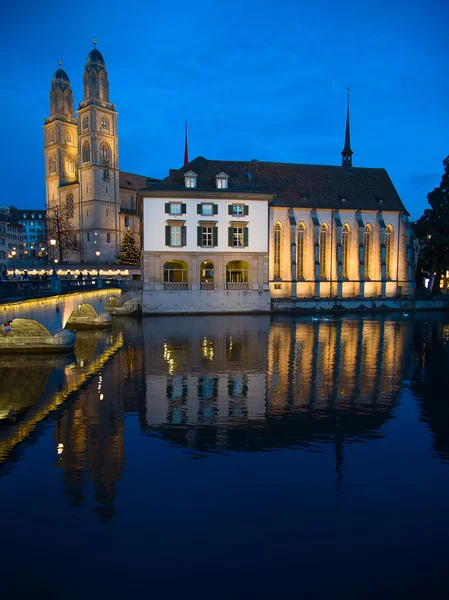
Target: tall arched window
x=70, y=205
x=86, y=152
x=323, y=250
x=105, y=152
x=68, y=137
x=52, y=164
x=345, y=233
x=389, y=251
x=277, y=249
x=69, y=165
x=108, y=238
x=367, y=242
x=300, y=249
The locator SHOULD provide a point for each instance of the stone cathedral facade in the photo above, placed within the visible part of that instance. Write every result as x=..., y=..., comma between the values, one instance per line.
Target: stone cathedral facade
x=82, y=164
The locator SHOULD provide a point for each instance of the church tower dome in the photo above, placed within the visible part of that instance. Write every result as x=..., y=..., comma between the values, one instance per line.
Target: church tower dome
x=61, y=95
x=96, y=83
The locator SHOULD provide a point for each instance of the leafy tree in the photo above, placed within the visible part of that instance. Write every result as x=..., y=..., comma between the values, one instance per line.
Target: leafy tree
x=432, y=230
x=60, y=228
x=129, y=254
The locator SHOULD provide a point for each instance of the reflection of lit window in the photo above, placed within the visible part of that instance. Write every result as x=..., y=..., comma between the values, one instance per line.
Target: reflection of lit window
x=238, y=386
x=207, y=349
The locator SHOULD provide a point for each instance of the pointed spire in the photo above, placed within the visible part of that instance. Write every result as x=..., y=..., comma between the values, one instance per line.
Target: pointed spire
x=95, y=42
x=347, y=152
x=186, y=148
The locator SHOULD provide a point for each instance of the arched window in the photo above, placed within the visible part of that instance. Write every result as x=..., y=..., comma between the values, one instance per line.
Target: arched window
x=207, y=274
x=345, y=233
x=108, y=238
x=69, y=165
x=300, y=250
x=105, y=152
x=104, y=123
x=277, y=250
x=68, y=137
x=52, y=164
x=237, y=274
x=389, y=251
x=86, y=152
x=323, y=250
x=176, y=272
x=367, y=242
x=70, y=205
x=86, y=123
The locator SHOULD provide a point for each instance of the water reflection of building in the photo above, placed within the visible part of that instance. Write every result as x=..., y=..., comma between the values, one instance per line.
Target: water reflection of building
x=90, y=433
x=253, y=384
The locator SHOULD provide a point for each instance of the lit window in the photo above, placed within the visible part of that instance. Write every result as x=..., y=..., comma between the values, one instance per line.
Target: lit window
x=190, y=182
x=222, y=184
x=344, y=250
x=277, y=249
x=300, y=250
x=175, y=235
x=237, y=210
x=323, y=250
x=388, y=251
x=367, y=246
x=238, y=237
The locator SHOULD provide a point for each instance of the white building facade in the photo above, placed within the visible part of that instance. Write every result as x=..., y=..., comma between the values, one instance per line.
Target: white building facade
x=204, y=250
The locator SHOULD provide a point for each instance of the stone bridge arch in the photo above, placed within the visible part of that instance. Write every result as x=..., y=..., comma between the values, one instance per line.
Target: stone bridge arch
x=54, y=312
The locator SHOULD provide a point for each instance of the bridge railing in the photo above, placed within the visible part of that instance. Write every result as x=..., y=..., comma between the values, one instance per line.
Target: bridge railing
x=21, y=290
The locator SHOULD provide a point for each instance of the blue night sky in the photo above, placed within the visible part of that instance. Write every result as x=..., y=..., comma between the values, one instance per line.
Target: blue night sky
x=261, y=80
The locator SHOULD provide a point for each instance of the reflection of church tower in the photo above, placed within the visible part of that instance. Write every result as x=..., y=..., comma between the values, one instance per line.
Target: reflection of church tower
x=90, y=437
x=98, y=163
x=60, y=138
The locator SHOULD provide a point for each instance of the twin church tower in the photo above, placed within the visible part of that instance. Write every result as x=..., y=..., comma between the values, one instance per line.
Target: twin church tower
x=82, y=164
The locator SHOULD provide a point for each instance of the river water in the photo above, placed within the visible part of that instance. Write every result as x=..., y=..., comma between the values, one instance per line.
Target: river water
x=239, y=456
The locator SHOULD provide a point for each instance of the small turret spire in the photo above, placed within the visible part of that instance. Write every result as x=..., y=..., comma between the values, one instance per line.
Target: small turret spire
x=60, y=63
x=95, y=42
x=347, y=152
x=186, y=147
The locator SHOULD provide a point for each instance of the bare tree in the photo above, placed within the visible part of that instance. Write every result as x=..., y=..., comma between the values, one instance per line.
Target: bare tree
x=60, y=228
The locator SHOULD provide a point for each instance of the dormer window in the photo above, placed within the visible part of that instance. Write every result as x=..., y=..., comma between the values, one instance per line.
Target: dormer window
x=190, y=179
x=222, y=181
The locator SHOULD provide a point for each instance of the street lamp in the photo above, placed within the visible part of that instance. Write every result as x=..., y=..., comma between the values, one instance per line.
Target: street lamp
x=53, y=244
x=98, y=262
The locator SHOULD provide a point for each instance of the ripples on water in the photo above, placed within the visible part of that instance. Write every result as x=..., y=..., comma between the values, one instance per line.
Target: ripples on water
x=215, y=387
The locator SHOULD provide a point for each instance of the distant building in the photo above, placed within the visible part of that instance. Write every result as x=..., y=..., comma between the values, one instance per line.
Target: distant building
x=82, y=164
x=34, y=231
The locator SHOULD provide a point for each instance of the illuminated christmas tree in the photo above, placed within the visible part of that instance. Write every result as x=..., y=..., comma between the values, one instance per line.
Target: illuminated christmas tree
x=129, y=254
